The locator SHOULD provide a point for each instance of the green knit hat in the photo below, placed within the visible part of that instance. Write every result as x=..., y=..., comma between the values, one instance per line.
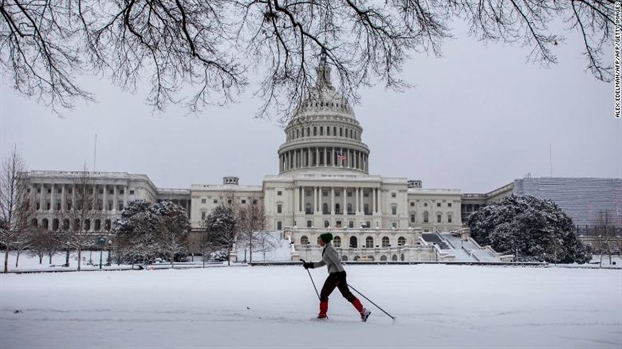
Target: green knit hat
x=326, y=237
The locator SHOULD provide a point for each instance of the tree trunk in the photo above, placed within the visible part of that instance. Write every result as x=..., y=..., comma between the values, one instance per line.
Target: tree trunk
x=6, y=259
x=41, y=258
x=79, y=257
x=17, y=259
x=172, y=260
x=50, y=258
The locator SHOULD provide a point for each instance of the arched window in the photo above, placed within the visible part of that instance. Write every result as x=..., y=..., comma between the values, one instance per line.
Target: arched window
x=55, y=224
x=356, y=258
x=337, y=209
x=308, y=131
x=385, y=241
x=297, y=133
x=383, y=258
x=98, y=225
x=325, y=208
x=366, y=208
x=351, y=134
x=334, y=130
x=344, y=258
x=45, y=223
x=425, y=216
x=87, y=224
x=76, y=225
x=394, y=210
x=304, y=240
x=328, y=131
x=337, y=241
x=350, y=208
x=369, y=242
x=308, y=208
x=353, y=242
x=439, y=217
x=401, y=241
x=315, y=130
x=279, y=208
x=107, y=225
x=65, y=224
x=321, y=131
x=341, y=132
x=394, y=258
x=326, y=224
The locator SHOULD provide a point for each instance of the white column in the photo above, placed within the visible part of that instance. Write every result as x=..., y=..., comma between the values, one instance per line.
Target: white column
x=73, y=198
x=296, y=200
x=105, y=198
x=332, y=201
x=317, y=157
x=344, y=209
x=314, y=200
x=52, y=198
x=41, y=197
x=356, y=202
x=115, y=202
x=373, y=200
x=63, y=199
x=325, y=162
x=125, y=193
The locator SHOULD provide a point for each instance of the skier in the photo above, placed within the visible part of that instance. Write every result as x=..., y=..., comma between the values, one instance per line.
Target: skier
x=336, y=278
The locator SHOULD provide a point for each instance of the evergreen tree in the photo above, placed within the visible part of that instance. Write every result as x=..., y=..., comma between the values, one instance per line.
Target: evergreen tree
x=530, y=228
x=221, y=229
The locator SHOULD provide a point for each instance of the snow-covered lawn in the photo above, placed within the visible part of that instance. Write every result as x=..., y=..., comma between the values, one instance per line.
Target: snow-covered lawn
x=437, y=306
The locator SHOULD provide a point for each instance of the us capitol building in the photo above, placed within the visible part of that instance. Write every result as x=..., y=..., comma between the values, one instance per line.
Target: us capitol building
x=323, y=185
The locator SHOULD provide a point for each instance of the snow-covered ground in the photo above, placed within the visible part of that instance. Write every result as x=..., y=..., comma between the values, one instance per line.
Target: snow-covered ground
x=437, y=306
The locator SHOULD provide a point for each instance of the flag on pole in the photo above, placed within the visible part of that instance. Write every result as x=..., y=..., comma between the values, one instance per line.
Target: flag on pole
x=340, y=156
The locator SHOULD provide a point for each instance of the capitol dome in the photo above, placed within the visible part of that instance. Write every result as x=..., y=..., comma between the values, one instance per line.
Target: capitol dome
x=324, y=133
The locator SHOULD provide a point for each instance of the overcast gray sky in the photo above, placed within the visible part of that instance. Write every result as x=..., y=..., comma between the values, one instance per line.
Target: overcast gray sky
x=478, y=118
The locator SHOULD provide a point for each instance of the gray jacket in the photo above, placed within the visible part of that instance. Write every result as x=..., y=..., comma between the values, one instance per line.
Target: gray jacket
x=330, y=258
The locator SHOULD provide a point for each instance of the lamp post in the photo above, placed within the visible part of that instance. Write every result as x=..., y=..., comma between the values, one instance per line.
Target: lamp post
x=101, y=241
x=67, y=245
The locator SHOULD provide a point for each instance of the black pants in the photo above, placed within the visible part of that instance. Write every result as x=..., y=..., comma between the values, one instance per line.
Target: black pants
x=336, y=280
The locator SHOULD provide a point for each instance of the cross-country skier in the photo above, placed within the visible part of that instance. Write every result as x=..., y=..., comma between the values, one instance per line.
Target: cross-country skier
x=336, y=278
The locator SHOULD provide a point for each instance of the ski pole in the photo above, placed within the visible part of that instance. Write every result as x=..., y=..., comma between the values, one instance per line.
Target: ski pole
x=355, y=290
x=313, y=282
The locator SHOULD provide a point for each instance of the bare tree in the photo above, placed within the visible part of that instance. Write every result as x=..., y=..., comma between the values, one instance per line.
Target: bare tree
x=46, y=243
x=209, y=46
x=251, y=225
x=605, y=232
x=83, y=210
x=16, y=207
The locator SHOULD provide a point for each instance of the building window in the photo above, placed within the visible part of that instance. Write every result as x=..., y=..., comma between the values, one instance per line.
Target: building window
x=425, y=217
x=215, y=201
x=438, y=218
x=425, y=204
x=337, y=240
x=279, y=208
x=401, y=241
x=369, y=242
x=338, y=194
x=393, y=210
x=203, y=214
x=243, y=201
x=203, y=201
x=279, y=193
x=412, y=218
x=351, y=224
x=449, y=204
x=131, y=192
x=307, y=193
x=326, y=224
x=438, y=204
x=309, y=224
x=279, y=225
x=385, y=241
x=393, y=195
x=120, y=206
x=412, y=204
x=366, y=194
x=304, y=240
x=448, y=218
x=324, y=193
x=254, y=202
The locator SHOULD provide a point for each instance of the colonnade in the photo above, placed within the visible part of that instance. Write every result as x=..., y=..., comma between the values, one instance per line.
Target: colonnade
x=323, y=157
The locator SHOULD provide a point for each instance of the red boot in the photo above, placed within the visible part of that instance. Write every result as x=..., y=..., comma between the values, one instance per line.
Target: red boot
x=323, y=310
x=357, y=304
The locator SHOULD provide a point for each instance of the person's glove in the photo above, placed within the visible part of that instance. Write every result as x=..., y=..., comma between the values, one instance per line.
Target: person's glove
x=307, y=265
